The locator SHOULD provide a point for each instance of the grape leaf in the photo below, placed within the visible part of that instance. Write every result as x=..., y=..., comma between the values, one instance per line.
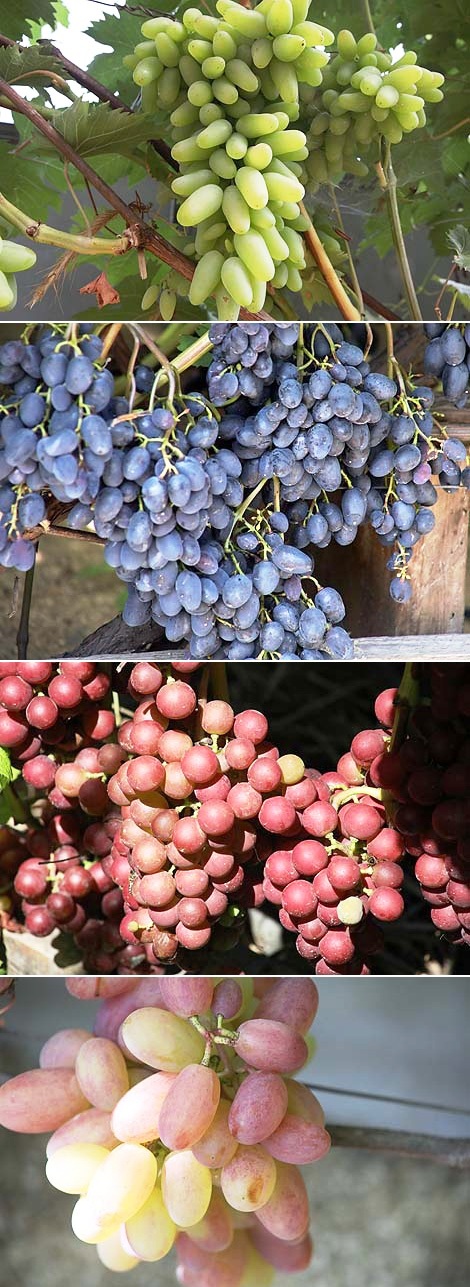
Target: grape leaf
x=17, y=18
x=22, y=64
x=459, y=239
x=35, y=186
x=5, y=769
x=94, y=129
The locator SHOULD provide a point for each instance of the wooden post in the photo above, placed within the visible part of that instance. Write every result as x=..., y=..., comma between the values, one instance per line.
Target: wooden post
x=437, y=568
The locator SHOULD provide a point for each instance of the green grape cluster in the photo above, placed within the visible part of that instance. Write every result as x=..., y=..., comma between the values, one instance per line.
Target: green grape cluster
x=364, y=96
x=232, y=84
x=13, y=259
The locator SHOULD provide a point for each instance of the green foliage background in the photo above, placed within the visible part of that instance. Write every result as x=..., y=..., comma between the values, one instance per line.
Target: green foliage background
x=433, y=167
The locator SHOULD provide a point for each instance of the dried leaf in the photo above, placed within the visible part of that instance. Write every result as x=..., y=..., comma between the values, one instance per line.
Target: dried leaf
x=101, y=287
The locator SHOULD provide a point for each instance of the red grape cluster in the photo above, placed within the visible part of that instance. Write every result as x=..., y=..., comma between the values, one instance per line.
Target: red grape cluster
x=341, y=872
x=200, y=789
x=49, y=712
x=429, y=777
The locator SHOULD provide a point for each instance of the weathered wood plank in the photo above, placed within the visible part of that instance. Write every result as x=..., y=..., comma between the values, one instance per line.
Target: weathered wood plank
x=26, y=955
x=414, y=648
x=437, y=568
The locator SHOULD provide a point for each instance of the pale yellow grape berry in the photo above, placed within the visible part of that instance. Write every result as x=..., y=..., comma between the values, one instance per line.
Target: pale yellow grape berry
x=259, y=156
x=347, y=46
x=262, y=52
x=248, y=22
x=225, y=92
x=257, y=1271
x=264, y=218
x=213, y=67
x=236, y=146
x=185, y=184
x=167, y=50
x=282, y=188
x=161, y=1039
x=214, y=135
x=242, y=76
x=72, y=1168
x=224, y=44
x=257, y=124
x=279, y=17
x=387, y=96
x=112, y=1255
x=350, y=911
x=199, y=94
x=87, y=1227
x=236, y=209
x=222, y=164
x=287, y=48
x=122, y=1183
x=200, y=49
x=203, y=24
x=285, y=79
x=292, y=769
x=186, y=1188
x=294, y=280
x=259, y=296
x=167, y=304
x=15, y=258
x=200, y=205
x=187, y=151
x=237, y=281
x=185, y=114
x=252, y=249
x=287, y=141
x=276, y=245
x=312, y=33
x=147, y=70
x=252, y=186
x=248, y=1180
x=210, y=112
x=151, y=1232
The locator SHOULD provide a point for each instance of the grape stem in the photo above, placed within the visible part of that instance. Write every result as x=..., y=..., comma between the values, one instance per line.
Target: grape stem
x=352, y=266
x=346, y=308
x=407, y=697
x=388, y=184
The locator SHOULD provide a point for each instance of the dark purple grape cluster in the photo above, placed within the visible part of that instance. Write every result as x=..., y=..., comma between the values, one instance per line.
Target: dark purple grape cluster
x=447, y=357
x=334, y=444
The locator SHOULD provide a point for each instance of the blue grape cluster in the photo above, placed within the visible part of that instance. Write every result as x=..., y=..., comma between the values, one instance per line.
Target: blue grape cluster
x=339, y=444
x=210, y=504
x=447, y=356
x=161, y=491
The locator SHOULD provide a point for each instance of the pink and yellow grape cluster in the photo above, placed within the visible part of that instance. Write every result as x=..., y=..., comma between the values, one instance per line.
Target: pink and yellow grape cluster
x=180, y=1124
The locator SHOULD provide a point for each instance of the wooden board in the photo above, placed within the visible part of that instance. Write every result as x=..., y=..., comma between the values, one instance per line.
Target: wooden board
x=438, y=568
x=26, y=955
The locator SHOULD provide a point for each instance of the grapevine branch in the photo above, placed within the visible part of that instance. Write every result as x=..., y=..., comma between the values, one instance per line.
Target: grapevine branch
x=346, y=308
x=388, y=184
x=142, y=235
x=430, y=1148
x=72, y=242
